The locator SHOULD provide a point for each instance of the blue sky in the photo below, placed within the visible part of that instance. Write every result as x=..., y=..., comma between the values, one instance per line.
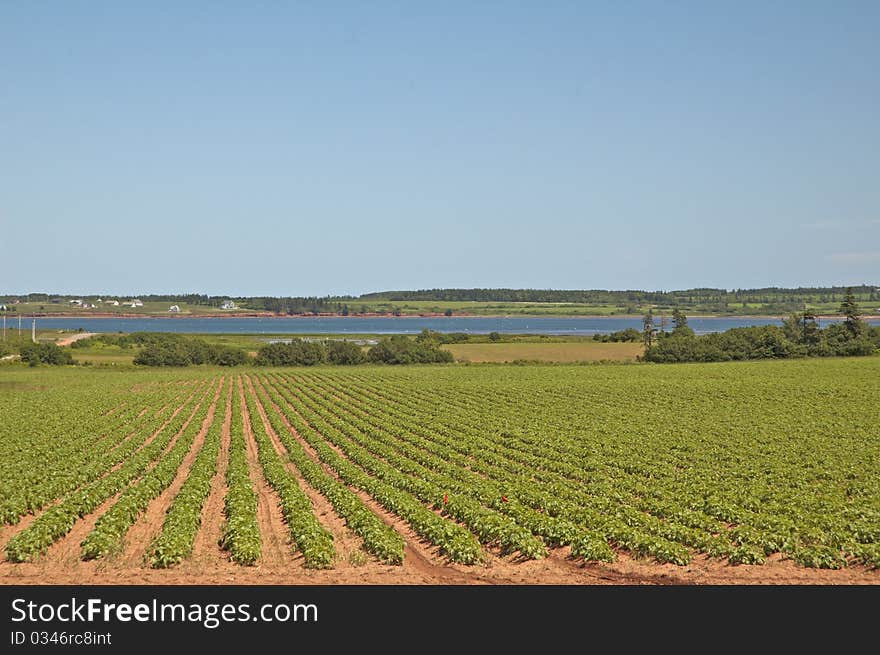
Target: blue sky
x=316, y=148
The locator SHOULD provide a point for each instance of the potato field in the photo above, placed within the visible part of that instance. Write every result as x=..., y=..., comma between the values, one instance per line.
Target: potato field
x=704, y=473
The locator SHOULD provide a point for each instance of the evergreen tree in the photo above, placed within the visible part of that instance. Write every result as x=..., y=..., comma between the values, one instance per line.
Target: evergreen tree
x=679, y=320
x=809, y=328
x=802, y=327
x=852, y=314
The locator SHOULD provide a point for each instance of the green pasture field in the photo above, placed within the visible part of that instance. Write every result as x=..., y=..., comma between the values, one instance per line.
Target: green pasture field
x=419, y=307
x=738, y=462
x=148, y=309
x=476, y=308
x=42, y=335
x=103, y=359
x=11, y=341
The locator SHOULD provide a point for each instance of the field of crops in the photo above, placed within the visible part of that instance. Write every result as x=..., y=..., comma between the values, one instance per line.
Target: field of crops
x=757, y=472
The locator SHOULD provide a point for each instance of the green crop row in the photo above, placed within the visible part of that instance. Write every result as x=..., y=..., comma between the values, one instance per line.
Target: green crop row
x=306, y=532
x=561, y=505
x=457, y=543
x=241, y=532
x=733, y=461
x=564, y=523
x=379, y=539
x=184, y=517
x=468, y=450
x=58, y=520
x=109, y=532
x=651, y=502
x=461, y=488
x=490, y=526
x=71, y=461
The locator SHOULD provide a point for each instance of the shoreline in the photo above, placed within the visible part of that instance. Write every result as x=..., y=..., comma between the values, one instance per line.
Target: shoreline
x=870, y=317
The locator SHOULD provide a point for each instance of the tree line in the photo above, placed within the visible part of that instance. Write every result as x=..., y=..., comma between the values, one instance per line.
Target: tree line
x=799, y=336
x=169, y=349
x=397, y=349
x=700, y=296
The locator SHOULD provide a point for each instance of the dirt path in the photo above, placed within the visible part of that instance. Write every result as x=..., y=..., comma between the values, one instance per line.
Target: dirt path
x=79, y=336
x=149, y=524
x=276, y=549
x=206, y=547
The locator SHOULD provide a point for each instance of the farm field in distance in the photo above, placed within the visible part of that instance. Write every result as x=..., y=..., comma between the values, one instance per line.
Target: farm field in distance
x=552, y=349
x=572, y=351
x=753, y=472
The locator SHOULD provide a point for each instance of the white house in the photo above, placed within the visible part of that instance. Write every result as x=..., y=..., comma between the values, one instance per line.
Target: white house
x=135, y=303
x=115, y=303
x=76, y=302
x=227, y=304
x=174, y=308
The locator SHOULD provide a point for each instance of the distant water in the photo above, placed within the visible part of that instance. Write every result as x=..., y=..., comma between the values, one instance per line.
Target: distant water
x=390, y=325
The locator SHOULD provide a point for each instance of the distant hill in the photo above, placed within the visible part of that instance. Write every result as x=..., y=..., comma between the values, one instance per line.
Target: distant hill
x=768, y=301
x=602, y=296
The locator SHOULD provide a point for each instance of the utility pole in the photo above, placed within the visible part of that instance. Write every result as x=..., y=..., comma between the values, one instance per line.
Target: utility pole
x=4, y=326
x=19, y=327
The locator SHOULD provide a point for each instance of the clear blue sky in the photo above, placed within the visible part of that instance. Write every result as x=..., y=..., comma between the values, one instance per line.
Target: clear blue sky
x=315, y=148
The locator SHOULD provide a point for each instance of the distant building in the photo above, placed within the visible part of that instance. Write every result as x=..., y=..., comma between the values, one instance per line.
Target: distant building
x=174, y=308
x=115, y=303
x=227, y=304
x=76, y=302
x=2, y=308
x=135, y=303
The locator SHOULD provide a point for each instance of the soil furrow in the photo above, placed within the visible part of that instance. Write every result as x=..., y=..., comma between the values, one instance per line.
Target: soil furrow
x=348, y=545
x=206, y=548
x=276, y=544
